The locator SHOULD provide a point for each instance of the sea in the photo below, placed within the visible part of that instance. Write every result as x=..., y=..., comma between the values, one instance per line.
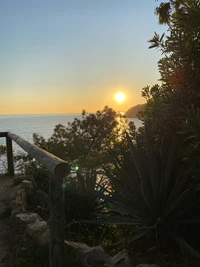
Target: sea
x=26, y=125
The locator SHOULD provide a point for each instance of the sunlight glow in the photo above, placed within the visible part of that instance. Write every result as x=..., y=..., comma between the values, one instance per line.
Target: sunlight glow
x=120, y=97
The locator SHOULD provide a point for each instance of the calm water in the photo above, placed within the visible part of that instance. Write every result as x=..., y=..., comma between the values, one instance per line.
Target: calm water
x=26, y=125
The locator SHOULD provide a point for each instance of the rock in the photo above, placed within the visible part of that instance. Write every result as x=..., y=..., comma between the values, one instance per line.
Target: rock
x=147, y=265
x=121, y=259
x=20, y=203
x=26, y=184
x=39, y=231
x=36, y=228
x=26, y=218
x=90, y=256
x=17, y=207
x=43, y=239
x=96, y=256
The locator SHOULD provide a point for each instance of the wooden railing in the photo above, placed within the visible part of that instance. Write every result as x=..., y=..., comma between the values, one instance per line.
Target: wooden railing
x=58, y=169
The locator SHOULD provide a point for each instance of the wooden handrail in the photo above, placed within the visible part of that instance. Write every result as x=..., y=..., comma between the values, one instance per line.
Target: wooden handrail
x=3, y=134
x=54, y=164
x=58, y=169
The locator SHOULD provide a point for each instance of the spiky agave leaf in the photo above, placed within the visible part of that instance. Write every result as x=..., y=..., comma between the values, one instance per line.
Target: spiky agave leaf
x=115, y=220
x=132, y=180
x=139, y=161
x=167, y=179
x=183, y=244
x=120, y=187
x=153, y=167
x=119, y=206
x=176, y=192
x=189, y=207
x=182, y=199
x=142, y=232
x=142, y=167
x=128, y=174
x=189, y=221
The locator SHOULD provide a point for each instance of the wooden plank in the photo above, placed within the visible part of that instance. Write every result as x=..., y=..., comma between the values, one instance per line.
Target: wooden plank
x=57, y=217
x=3, y=134
x=10, y=156
x=55, y=165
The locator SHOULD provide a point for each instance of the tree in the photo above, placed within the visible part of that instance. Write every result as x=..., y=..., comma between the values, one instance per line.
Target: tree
x=86, y=141
x=179, y=68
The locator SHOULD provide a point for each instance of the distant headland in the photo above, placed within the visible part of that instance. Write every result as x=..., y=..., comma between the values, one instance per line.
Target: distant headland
x=133, y=112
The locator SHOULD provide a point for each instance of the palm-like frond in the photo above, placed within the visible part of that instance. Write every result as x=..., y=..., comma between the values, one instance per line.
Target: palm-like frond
x=150, y=192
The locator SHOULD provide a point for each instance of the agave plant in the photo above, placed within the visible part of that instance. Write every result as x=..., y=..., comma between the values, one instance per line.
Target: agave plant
x=81, y=193
x=151, y=194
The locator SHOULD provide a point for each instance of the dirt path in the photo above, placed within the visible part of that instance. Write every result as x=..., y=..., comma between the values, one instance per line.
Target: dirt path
x=8, y=192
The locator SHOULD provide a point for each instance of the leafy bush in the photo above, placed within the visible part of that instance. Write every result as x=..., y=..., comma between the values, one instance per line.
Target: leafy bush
x=179, y=68
x=85, y=142
x=190, y=136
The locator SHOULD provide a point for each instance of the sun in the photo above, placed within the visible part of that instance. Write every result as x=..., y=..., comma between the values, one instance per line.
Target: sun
x=120, y=97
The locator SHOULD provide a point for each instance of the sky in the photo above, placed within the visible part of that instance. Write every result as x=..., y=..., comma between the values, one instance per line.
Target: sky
x=63, y=56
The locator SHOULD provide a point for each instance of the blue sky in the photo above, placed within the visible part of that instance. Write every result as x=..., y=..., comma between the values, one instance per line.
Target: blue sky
x=64, y=56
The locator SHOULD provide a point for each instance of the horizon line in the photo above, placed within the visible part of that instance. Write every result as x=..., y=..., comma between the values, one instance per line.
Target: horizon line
x=11, y=114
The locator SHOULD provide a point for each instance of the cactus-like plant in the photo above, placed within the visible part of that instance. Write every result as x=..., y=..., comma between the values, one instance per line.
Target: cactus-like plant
x=151, y=194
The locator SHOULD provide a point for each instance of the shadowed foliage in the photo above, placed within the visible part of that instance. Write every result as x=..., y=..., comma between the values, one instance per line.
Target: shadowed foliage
x=151, y=195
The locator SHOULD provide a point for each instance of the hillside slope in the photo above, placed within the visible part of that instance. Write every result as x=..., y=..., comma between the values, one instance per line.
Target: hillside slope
x=132, y=112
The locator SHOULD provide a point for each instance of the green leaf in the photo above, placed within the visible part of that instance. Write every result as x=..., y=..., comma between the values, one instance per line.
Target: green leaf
x=190, y=221
x=171, y=161
x=142, y=233
x=122, y=208
x=153, y=46
x=120, y=186
x=162, y=37
x=182, y=243
x=176, y=191
x=182, y=199
x=139, y=161
x=114, y=220
x=153, y=167
x=149, y=199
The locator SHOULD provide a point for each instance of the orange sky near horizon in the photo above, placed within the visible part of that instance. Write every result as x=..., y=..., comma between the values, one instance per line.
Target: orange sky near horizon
x=66, y=56
x=52, y=103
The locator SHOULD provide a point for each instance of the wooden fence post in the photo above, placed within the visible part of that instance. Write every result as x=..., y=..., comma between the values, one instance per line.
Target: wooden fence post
x=57, y=217
x=10, y=156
